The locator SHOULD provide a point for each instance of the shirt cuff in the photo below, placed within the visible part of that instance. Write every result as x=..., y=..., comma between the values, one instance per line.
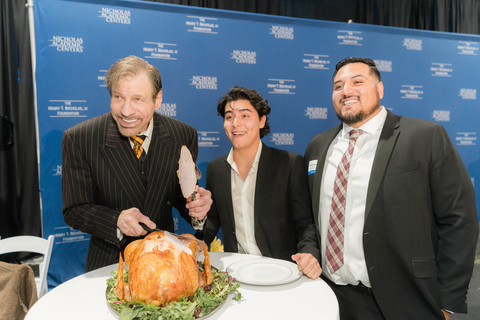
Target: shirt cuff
x=119, y=234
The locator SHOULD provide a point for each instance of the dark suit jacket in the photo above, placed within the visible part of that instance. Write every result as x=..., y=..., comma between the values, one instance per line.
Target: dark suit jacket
x=283, y=216
x=421, y=221
x=101, y=177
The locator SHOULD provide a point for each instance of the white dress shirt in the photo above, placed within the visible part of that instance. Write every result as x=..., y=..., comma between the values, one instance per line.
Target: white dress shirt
x=243, y=199
x=354, y=268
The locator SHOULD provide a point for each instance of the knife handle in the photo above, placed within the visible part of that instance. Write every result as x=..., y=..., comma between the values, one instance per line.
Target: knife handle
x=144, y=226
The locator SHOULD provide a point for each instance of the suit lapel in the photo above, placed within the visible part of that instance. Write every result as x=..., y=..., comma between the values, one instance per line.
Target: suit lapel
x=162, y=160
x=225, y=175
x=385, y=147
x=317, y=180
x=263, y=172
x=118, y=155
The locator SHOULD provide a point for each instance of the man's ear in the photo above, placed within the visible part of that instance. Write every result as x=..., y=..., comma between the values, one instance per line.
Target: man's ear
x=380, y=89
x=158, y=100
x=263, y=119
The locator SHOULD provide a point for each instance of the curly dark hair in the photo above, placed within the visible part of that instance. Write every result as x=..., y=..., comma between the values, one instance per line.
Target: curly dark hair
x=369, y=62
x=256, y=100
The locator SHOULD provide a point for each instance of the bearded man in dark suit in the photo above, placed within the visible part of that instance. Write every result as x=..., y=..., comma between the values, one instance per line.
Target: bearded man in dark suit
x=108, y=189
x=404, y=246
x=260, y=193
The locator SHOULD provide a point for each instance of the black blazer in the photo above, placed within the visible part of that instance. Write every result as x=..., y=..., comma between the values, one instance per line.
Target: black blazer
x=101, y=177
x=421, y=223
x=283, y=216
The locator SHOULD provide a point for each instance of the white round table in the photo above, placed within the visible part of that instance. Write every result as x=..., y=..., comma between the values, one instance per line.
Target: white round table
x=84, y=298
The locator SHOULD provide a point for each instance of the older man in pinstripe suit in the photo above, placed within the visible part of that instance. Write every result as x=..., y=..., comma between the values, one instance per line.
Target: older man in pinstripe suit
x=107, y=191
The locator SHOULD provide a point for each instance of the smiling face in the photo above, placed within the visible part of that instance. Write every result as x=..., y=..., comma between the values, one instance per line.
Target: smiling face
x=242, y=125
x=356, y=94
x=132, y=103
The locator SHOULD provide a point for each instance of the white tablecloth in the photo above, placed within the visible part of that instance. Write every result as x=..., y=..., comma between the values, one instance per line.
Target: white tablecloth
x=84, y=298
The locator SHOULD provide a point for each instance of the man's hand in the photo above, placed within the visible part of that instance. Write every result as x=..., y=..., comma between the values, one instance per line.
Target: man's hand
x=308, y=265
x=201, y=205
x=128, y=222
x=446, y=314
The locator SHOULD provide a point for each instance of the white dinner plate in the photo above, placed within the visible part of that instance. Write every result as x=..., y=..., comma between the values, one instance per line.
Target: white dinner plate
x=264, y=271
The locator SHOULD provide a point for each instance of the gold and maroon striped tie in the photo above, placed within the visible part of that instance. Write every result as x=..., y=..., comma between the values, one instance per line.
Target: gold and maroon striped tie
x=137, y=146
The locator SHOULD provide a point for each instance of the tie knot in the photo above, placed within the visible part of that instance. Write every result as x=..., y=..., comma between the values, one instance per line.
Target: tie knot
x=137, y=146
x=138, y=139
x=355, y=133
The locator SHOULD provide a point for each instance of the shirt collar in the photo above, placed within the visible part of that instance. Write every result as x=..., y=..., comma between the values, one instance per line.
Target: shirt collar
x=148, y=133
x=371, y=126
x=255, y=161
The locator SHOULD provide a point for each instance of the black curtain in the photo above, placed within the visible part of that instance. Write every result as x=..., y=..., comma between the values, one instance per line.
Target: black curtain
x=19, y=187
x=460, y=16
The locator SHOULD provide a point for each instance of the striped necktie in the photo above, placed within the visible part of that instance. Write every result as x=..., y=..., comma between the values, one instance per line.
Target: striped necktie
x=137, y=147
x=336, y=225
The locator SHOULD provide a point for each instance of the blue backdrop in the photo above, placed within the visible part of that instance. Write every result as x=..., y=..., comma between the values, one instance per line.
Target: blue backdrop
x=201, y=53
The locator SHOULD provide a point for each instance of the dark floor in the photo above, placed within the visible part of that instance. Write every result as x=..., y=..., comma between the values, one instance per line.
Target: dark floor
x=473, y=297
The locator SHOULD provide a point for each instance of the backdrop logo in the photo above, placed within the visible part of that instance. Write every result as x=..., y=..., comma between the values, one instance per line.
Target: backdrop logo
x=115, y=15
x=384, y=65
x=350, y=38
x=316, y=113
x=411, y=92
x=67, y=235
x=241, y=56
x=441, y=69
x=412, y=44
x=281, y=86
x=468, y=48
x=315, y=61
x=158, y=50
x=466, y=138
x=168, y=109
x=204, y=83
x=175, y=223
x=468, y=94
x=68, y=44
x=280, y=32
x=67, y=109
x=208, y=138
x=202, y=24
x=441, y=115
x=285, y=139
x=101, y=77
x=57, y=171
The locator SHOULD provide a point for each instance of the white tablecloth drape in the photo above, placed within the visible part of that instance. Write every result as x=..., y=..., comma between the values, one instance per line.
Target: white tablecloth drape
x=84, y=298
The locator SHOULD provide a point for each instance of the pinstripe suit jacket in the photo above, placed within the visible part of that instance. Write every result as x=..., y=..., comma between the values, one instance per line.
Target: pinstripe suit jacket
x=101, y=177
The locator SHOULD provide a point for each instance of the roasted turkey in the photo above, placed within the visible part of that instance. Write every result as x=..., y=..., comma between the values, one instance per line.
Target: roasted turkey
x=162, y=268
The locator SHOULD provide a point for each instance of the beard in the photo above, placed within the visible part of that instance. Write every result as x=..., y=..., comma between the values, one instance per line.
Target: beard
x=351, y=119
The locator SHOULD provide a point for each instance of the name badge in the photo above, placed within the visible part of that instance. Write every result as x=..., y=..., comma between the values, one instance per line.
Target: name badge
x=312, y=166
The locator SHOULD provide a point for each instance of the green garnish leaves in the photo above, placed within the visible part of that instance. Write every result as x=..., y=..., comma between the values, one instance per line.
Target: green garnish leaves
x=202, y=303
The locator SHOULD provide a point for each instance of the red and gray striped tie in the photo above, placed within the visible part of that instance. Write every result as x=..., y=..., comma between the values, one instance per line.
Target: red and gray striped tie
x=336, y=223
